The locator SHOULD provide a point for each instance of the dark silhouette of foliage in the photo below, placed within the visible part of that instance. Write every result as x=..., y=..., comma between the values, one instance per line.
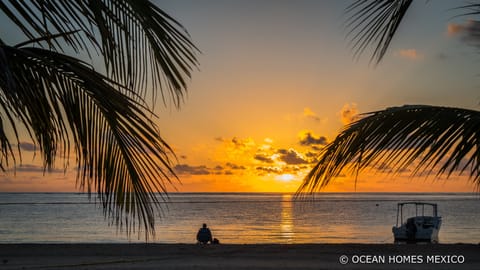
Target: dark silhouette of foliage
x=62, y=101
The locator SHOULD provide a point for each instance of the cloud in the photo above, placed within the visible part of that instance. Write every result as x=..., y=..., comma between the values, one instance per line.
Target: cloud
x=308, y=113
x=263, y=158
x=453, y=29
x=235, y=166
x=266, y=146
x=410, y=54
x=291, y=157
x=312, y=156
x=185, y=169
x=31, y=168
x=307, y=138
x=469, y=32
x=27, y=146
x=269, y=169
x=268, y=140
x=219, y=170
x=191, y=170
x=349, y=113
x=237, y=144
x=243, y=143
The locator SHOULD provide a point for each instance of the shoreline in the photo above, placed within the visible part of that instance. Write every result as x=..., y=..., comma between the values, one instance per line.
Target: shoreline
x=239, y=256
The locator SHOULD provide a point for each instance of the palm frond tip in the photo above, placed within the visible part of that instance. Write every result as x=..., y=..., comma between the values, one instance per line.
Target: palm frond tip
x=374, y=23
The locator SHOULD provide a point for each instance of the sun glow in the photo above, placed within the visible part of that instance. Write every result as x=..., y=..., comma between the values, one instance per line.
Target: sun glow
x=286, y=177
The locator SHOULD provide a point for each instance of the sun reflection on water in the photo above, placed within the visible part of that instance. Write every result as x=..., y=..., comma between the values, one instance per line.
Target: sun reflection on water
x=286, y=225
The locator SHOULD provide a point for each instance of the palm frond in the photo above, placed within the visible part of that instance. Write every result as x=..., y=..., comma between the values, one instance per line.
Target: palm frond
x=374, y=22
x=62, y=101
x=142, y=46
x=432, y=138
x=471, y=9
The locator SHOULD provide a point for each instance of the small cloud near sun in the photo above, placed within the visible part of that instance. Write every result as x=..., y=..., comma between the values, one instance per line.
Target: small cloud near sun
x=308, y=138
x=235, y=166
x=267, y=144
x=291, y=157
x=243, y=143
x=183, y=169
x=268, y=170
x=263, y=158
x=237, y=146
x=27, y=146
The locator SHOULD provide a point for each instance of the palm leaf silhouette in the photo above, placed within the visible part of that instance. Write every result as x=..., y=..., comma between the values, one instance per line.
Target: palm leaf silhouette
x=134, y=37
x=374, y=22
x=425, y=137
x=119, y=151
x=62, y=101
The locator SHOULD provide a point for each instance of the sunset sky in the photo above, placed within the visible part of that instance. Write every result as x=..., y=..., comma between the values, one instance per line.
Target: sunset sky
x=277, y=81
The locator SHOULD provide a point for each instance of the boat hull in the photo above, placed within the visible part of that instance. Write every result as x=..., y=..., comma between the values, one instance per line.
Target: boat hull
x=418, y=229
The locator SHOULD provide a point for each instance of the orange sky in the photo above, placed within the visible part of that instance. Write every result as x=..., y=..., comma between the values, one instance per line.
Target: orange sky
x=243, y=165
x=277, y=82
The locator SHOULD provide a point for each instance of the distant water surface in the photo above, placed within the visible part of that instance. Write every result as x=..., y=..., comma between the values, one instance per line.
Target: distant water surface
x=242, y=218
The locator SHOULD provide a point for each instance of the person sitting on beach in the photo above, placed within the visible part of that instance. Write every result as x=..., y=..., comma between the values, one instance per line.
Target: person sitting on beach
x=204, y=235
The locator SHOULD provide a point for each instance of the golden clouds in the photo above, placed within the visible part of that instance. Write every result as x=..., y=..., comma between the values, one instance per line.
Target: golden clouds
x=308, y=113
x=308, y=138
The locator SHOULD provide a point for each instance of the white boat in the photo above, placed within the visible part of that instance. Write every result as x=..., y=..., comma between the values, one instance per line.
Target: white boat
x=418, y=228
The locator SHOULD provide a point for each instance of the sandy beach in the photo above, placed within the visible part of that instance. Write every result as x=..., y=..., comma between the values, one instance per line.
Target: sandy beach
x=276, y=256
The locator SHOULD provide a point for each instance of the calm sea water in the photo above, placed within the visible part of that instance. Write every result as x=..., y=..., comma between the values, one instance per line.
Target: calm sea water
x=236, y=218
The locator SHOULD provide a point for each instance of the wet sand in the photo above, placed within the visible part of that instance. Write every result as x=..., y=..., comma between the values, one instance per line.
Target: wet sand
x=189, y=256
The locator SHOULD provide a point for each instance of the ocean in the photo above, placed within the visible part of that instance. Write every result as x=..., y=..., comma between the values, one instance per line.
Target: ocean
x=240, y=218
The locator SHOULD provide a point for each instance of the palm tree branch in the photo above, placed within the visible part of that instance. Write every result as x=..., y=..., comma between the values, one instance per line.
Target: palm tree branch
x=118, y=147
x=31, y=20
x=429, y=138
x=45, y=38
x=131, y=33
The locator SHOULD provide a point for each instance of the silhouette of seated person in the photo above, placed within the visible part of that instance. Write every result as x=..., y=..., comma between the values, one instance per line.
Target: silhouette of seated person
x=204, y=235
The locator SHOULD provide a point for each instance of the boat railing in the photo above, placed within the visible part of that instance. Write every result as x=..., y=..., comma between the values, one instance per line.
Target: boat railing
x=418, y=205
